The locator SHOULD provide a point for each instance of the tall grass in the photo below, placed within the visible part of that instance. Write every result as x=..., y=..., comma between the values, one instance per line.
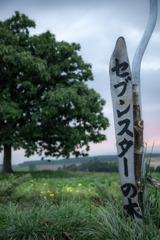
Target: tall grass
x=73, y=221
x=43, y=222
x=79, y=208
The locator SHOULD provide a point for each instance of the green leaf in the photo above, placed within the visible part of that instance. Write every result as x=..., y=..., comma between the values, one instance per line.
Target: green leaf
x=45, y=104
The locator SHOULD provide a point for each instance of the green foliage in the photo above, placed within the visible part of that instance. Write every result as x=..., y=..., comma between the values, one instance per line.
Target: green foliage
x=8, y=186
x=157, y=169
x=110, y=223
x=152, y=206
x=32, y=167
x=56, y=222
x=45, y=103
x=93, y=166
x=51, y=205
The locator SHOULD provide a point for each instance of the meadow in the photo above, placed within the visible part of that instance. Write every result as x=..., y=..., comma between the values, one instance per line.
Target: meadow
x=72, y=205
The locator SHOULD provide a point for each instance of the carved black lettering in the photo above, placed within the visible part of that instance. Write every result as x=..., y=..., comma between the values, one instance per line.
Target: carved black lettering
x=127, y=79
x=131, y=209
x=125, y=161
x=120, y=114
x=120, y=67
x=126, y=123
x=121, y=102
x=125, y=146
x=124, y=84
x=129, y=188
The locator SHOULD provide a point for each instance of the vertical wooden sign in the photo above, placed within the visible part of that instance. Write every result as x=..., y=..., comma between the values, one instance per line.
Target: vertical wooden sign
x=121, y=91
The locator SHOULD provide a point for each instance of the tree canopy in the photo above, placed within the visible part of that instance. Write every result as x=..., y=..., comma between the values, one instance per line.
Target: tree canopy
x=45, y=103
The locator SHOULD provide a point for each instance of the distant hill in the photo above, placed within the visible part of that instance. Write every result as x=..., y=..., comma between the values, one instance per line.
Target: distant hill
x=104, y=158
x=70, y=160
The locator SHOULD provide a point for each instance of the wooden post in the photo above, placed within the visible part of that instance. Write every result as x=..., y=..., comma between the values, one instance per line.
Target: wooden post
x=126, y=98
x=122, y=99
x=138, y=137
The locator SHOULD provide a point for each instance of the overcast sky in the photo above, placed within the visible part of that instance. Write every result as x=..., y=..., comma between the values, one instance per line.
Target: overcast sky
x=96, y=25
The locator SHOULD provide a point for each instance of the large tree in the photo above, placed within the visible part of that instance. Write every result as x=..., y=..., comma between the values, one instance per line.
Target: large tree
x=45, y=104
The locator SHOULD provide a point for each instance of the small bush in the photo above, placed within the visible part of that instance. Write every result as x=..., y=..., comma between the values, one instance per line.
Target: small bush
x=8, y=186
x=157, y=169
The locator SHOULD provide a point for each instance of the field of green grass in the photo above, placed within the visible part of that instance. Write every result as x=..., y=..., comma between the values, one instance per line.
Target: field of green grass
x=65, y=205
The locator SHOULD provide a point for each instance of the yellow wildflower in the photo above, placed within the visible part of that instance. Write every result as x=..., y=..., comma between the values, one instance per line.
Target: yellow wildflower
x=44, y=197
x=69, y=189
x=79, y=184
x=51, y=194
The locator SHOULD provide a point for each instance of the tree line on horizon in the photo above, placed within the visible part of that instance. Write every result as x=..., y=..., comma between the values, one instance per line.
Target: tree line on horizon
x=94, y=165
x=98, y=166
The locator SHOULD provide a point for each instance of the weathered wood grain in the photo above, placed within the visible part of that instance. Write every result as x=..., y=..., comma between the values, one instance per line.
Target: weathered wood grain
x=122, y=99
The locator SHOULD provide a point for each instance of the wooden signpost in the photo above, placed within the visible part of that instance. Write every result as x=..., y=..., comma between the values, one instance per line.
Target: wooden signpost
x=126, y=98
x=121, y=89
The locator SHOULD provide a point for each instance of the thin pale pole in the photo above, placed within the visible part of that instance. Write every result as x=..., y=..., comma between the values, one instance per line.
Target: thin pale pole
x=137, y=106
x=136, y=65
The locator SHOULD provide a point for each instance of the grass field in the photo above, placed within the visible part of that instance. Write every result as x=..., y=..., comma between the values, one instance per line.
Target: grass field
x=64, y=205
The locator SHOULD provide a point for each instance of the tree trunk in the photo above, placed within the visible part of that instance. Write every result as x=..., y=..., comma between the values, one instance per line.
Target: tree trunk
x=138, y=137
x=7, y=167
